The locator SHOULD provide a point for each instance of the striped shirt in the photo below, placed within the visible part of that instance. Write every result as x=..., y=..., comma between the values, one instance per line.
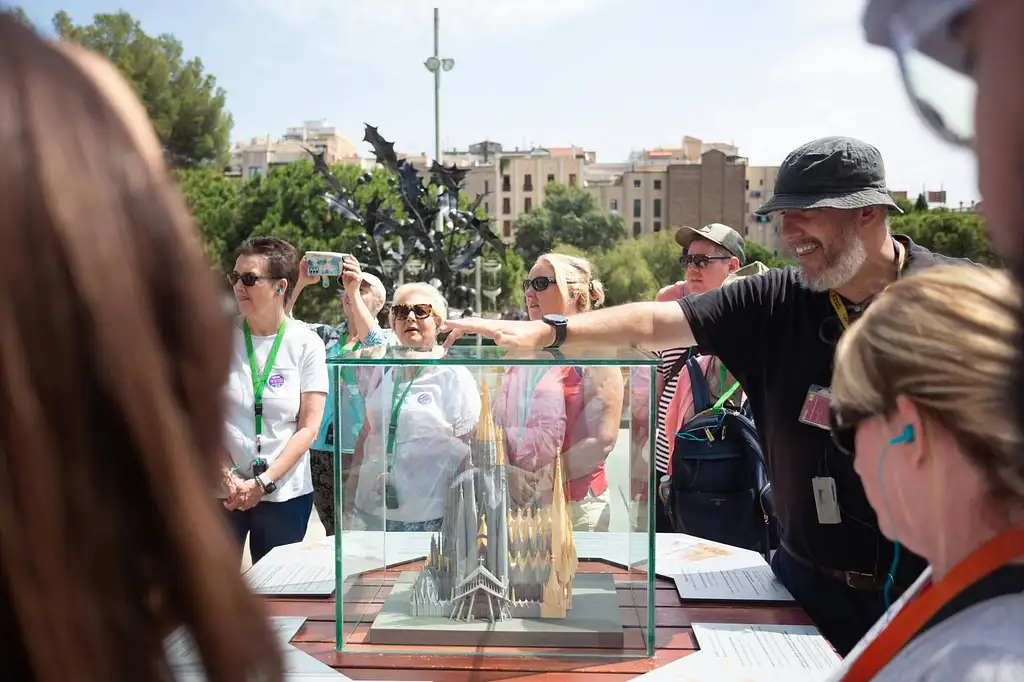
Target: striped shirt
x=668, y=360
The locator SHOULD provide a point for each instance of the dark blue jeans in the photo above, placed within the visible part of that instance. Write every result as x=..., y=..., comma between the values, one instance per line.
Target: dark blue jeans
x=271, y=524
x=843, y=614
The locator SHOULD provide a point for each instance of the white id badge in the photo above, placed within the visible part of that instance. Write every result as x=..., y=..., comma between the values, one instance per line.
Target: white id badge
x=825, y=500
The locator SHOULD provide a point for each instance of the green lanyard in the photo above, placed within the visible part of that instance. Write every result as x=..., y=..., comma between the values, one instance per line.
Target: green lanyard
x=259, y=381
x=396, y=406
x=728, y=393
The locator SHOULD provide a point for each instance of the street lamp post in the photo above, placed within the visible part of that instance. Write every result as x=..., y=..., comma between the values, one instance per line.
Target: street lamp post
x=436, y=64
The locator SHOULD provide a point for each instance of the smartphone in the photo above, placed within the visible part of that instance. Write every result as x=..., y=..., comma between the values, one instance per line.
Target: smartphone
x=325, y=263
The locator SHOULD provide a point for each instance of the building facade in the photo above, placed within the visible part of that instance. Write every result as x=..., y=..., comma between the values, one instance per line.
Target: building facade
x=259, y=155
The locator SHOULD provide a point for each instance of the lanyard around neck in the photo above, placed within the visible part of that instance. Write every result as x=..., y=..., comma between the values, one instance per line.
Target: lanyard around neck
x=259, y=381
x=980, y=563
x=396, y=406
x=837, y=300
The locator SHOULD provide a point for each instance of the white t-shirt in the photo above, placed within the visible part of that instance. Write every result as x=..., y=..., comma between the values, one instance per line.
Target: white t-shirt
x=442, y=406
x=300, y=367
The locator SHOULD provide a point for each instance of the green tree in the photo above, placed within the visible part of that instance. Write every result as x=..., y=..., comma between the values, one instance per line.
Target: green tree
x=951, y=233
x=921, y=204
x=756, y=252
x=183, y=102
x=569, y=215
x=905, y=205
x=18, y=13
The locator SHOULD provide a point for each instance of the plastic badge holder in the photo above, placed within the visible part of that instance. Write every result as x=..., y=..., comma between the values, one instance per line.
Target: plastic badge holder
x=326, y=264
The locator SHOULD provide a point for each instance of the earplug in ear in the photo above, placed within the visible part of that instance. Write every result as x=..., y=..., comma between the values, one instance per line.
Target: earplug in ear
x=280, y=291
x=906, y=437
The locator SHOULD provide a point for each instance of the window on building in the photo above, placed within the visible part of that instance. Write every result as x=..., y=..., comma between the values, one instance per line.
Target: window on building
x=657, y=184
x=487, y=207
x=254, y=171
x=657, y=208
x=506, y=205
x=637, y=205
x=776, y=232
x=506, y=228
x=657, y=226
x=527, y=183
x=551, y=177
x=506, y=183
x=761, y=182
x=636, y=184
x=487, y=186
x=572, y=179
x=613, y=205
x=527, y=205
x=636, y=228
x=747, y=184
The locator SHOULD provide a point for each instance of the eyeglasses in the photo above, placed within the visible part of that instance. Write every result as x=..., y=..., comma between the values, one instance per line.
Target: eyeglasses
x=538, y=283
x=699, y=260
x=942, y=95
x=401, y=311
x=843, y=425
x=248, y=279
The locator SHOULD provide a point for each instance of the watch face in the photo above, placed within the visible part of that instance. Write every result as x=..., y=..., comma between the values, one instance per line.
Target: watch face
x=555, y=319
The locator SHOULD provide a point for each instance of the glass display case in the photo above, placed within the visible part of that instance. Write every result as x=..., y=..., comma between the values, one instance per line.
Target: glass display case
x=495, y=501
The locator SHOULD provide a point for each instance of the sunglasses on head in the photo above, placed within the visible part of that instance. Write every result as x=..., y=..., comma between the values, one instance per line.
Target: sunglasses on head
x=699, y=260
x=843, y=425
x=248, y=279
x=421, y=311
x=538, y=283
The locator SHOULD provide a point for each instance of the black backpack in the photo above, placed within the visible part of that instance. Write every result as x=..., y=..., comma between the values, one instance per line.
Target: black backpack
x=719, y=488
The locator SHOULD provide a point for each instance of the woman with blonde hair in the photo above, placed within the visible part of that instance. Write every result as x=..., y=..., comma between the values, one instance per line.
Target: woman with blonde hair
x=919, y=395
x=574, y=410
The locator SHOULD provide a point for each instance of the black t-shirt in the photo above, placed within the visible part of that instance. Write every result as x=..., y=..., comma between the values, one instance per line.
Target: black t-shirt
x=778, y=339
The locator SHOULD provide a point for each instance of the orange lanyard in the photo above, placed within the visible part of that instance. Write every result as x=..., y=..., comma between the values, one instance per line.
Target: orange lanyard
x=991, y=556
x=837, y=300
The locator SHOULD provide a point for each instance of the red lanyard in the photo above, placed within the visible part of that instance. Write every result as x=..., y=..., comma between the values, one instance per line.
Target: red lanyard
x=994, y=554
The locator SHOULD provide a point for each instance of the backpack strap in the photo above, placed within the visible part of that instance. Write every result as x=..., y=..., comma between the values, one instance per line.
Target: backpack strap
x=678, y=365
x=698, y=386
x=728, y=393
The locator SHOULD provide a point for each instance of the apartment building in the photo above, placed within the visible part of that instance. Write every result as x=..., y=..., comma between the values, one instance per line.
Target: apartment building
x=259, y=155
x=513, y=182
x=765, y=230
x=657, y=189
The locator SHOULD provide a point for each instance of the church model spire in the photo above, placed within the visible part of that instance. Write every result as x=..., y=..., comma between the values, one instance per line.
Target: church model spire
x=489, y=562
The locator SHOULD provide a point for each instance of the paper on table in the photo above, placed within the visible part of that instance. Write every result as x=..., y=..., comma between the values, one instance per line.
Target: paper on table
x=799, y=650
x=294, y=578
x=699, y=666
x=757, y=583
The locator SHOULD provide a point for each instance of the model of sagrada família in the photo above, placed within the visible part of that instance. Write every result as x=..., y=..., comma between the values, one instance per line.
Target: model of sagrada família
x=488, y=563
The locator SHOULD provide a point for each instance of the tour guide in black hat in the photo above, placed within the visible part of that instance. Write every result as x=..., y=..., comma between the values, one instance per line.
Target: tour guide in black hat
x=776, y=333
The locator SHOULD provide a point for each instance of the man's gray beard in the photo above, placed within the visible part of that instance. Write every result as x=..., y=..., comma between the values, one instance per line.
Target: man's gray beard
x=840, y=267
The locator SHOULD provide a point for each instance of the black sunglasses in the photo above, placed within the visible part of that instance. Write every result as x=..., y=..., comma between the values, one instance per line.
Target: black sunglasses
x=248, y=279
x=699, y=260
x=538, y=283
x=401, y=311
x=843, y=425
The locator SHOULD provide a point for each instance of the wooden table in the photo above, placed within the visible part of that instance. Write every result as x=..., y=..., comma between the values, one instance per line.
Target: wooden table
x=673, y=639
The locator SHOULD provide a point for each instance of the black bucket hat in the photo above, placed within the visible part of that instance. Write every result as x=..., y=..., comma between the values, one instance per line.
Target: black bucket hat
x=832, y=172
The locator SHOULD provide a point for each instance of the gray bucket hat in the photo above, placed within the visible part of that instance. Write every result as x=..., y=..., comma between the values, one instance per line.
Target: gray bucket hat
x=832, y=172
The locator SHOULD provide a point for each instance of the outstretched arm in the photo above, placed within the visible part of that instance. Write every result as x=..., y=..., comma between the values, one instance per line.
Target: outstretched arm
x=654, y=326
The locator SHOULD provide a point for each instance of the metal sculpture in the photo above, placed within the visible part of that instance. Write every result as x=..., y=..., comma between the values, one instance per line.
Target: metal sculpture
x=415, y=244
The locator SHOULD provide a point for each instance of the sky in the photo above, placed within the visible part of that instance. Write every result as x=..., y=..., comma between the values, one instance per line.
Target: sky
x=609, y=75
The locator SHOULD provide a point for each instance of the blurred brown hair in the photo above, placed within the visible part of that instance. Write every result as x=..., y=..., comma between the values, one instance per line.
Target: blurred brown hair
x=113, y=354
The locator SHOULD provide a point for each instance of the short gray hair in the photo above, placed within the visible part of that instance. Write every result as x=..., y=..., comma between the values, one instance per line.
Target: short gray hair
x=437, y=300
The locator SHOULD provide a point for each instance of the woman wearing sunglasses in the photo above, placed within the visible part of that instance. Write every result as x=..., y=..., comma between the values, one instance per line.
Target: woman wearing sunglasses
x=275, y=400
x=418, y=423
x=572, y=410
x=919, y=400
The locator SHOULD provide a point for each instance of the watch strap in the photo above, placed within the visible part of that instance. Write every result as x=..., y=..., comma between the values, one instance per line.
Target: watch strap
x=560, y=329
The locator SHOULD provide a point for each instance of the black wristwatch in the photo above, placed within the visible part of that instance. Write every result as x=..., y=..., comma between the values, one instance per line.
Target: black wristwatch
x=559, y=322
x=265, y=484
